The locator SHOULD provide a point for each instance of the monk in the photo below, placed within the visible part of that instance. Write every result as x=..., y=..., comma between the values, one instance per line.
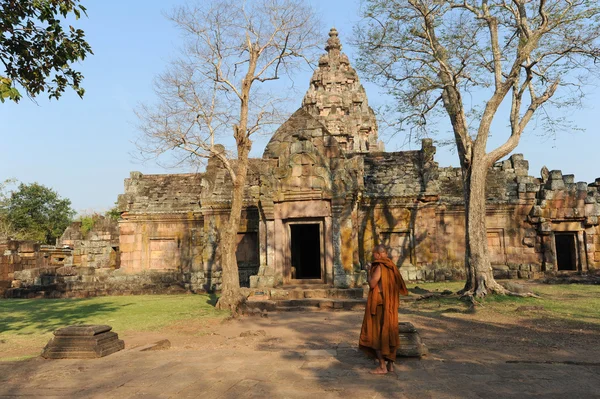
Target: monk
x=379, y=334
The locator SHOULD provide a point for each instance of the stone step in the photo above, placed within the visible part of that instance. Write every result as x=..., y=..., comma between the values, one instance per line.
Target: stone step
x=286, y=293
x=307, y=304
x=306, y=286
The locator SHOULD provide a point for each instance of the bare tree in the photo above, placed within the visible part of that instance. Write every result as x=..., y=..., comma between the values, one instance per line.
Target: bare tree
x=217, y=90
x=432, y=54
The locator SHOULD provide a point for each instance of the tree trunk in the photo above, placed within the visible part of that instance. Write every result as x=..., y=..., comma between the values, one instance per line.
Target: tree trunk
x=231, y=298
x=480, y=278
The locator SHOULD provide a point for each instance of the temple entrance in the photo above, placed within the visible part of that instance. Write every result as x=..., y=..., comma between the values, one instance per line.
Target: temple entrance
x=566, y=251
x=306, y=251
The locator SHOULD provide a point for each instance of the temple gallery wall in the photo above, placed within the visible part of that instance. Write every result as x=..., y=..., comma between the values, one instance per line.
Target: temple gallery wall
x=322, y=196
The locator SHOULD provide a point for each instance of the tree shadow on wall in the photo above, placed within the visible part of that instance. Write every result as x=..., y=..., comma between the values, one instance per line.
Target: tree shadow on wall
x=384, y=225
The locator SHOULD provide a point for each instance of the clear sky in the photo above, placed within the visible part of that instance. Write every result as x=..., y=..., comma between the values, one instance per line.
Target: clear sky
x=83, y=148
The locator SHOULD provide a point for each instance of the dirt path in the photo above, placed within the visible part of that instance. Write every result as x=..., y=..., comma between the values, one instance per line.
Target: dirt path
x=308, y=355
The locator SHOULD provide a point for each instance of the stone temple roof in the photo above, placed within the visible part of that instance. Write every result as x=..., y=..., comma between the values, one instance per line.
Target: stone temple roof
x=338, y=101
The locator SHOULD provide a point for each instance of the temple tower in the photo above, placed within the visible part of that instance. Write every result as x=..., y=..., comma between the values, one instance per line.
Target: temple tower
x=338, y=100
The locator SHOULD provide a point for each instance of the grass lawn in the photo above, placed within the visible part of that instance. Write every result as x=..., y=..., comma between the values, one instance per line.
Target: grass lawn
x=27, y=325
x=30, y=323
x=574, y=304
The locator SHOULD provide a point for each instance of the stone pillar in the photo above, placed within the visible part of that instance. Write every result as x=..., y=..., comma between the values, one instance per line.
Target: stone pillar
x=329, y=254
x=549, y=251
x=266, y=276
x=281, y=243
x=581, y=249
x=338, y=226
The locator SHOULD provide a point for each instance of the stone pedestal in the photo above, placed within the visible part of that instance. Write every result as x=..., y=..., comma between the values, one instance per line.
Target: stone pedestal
x=410, y=342
x=83, y=342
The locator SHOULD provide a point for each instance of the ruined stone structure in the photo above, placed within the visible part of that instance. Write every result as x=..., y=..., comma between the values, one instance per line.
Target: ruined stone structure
x=322, y=196
x=78, y=265
x=325, y=192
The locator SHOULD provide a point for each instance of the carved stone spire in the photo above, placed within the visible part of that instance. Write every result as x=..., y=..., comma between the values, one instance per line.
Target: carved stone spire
x=333, y=43
x=338, y=100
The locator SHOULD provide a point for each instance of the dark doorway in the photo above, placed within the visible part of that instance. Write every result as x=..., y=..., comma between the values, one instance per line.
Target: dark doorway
x=566, y=251
x=306, y=251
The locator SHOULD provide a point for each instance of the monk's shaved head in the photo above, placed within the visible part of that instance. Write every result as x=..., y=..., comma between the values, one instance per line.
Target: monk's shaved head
x=380, y=249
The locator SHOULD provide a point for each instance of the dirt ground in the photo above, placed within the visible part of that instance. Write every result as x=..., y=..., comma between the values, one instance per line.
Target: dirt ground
x=477, y=353
x=450, y=330
x=448, y=335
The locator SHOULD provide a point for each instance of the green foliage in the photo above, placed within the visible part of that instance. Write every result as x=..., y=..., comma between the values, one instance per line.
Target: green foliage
x=6, y=229
x=36, y=212
x=88, y=222
x=113, y=213
x=37, y=48
x=572, y=304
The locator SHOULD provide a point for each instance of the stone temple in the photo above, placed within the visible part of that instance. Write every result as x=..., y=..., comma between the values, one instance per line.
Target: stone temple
x=325, y=193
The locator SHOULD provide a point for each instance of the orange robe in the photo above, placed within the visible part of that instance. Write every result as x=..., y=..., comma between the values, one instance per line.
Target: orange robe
x=380, y=324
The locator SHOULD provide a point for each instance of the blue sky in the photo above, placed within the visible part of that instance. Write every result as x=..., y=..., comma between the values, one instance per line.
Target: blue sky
x=83, y=148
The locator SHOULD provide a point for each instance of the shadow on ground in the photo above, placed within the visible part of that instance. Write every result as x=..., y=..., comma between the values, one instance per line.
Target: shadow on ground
x=34, y=316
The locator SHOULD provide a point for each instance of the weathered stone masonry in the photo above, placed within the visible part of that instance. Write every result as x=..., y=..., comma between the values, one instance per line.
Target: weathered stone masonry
x=324, y=173
x=323, y=195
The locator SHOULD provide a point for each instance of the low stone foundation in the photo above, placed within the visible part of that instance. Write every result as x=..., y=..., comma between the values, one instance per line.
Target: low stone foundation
x=82, y=282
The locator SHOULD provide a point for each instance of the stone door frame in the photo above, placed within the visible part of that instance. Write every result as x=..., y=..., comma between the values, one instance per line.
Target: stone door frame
x=287, y=270
x=311, y=211
x=567, y=227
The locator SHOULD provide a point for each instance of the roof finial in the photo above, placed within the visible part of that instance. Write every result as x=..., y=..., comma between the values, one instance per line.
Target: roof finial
x=333, y=43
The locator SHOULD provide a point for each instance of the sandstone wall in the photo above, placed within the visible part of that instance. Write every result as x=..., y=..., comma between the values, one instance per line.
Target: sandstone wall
x=17, y=256
x=98, y=248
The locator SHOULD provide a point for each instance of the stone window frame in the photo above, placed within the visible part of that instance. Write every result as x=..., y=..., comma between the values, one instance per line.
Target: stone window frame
x=502, y=235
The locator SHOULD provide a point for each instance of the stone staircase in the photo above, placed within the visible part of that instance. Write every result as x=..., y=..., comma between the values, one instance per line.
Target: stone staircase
x=307, y=297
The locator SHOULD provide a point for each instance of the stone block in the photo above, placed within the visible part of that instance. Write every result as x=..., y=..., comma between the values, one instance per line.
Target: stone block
x=67, y=271
x=545, y=227
x=525, y=179
x=529, y=241
x=555, y=185
x=320, y=293
x=277, y=294
x=555, y=175
x=410, y=344
x=83, y=342
x=523, y=274
x=404, y=274
x=547, y=194
x=295, y=294
x=500, y=273
x=253, y=281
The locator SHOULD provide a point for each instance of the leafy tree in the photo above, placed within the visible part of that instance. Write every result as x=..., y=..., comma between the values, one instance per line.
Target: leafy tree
x=37, y=47
x=36, y=212
x=216, y=89
x=6, y=230
x=439, y=57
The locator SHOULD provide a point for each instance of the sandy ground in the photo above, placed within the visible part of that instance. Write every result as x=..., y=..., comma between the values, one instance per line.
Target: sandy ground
x=480, y=354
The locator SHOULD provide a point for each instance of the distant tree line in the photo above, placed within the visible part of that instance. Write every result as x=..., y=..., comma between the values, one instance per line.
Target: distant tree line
x=36, y=212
